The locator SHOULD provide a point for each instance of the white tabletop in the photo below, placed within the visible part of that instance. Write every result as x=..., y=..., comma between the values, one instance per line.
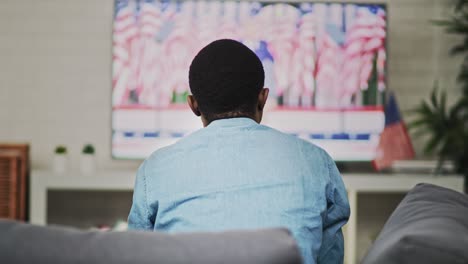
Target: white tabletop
x=125, y=180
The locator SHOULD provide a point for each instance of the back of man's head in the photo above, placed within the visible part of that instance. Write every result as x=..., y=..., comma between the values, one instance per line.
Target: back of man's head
x=226, y=78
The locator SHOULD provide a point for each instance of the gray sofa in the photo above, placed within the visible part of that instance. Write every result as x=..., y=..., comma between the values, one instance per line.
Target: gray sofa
x=24, y=243
x=429, y=226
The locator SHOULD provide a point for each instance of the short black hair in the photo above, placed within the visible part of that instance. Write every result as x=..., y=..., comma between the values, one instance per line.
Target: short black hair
x=225, y=79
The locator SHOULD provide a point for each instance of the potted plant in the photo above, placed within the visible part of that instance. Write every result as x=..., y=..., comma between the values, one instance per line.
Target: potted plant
x=88, y=162
x=447, y=126
x=60, y=162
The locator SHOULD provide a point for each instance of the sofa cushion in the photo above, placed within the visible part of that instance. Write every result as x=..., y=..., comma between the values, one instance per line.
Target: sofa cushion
x=24, y=243
x=430, y=225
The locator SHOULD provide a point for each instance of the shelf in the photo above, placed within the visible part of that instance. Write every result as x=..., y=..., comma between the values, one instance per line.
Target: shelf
x=125, y=180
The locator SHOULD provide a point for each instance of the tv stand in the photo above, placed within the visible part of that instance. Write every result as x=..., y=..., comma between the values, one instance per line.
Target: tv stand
x=43, y=181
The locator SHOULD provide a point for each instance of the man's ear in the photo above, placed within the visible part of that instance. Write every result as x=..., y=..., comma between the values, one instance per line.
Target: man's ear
x=262, y=98
x=193, y=105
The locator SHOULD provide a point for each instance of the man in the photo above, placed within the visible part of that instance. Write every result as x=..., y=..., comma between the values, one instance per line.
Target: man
x=237, y=174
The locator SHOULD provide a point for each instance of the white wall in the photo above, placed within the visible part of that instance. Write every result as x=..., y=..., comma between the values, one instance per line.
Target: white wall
x=56, y=76
x=55, y=70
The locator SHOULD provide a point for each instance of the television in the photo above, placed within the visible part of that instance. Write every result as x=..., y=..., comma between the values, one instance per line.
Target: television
x=325, y=65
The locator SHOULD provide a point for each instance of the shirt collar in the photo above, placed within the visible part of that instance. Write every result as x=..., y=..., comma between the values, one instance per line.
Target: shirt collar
x=233, y=122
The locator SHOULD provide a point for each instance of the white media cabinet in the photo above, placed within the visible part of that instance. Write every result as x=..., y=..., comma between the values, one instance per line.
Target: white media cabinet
x=117, y=180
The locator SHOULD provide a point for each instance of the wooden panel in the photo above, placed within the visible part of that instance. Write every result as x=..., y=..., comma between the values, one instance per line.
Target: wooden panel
x=4, y=186
x=14, y=175
x=8, y=184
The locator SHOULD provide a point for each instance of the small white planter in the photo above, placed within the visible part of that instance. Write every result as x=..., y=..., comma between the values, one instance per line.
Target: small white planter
x=88, y=164
x=60, y=163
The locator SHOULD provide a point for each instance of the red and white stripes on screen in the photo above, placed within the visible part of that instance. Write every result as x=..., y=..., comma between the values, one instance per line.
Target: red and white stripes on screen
x=154, y=45
x=366, y=39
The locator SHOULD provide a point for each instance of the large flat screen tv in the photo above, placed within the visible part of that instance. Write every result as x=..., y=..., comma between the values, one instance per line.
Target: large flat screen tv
x=325, y=65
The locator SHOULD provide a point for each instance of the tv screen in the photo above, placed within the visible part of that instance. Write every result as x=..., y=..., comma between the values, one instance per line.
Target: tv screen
x=325, y=65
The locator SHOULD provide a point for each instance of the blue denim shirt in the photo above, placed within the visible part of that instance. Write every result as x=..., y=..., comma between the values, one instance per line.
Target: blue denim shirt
x=237, y=174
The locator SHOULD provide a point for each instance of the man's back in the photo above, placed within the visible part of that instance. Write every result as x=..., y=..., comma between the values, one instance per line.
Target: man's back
x=237, y=174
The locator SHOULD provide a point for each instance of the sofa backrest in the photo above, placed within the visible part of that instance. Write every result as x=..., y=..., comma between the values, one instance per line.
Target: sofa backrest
x=24, y=243
x=430, y=225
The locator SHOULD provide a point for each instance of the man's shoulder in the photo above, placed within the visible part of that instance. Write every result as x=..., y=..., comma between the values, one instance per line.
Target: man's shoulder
x=166, y=151
x=304, y=144
x=160, y=152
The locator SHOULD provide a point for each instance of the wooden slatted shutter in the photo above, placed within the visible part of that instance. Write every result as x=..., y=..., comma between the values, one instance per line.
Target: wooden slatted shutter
x=8, y=184
x=14, y=172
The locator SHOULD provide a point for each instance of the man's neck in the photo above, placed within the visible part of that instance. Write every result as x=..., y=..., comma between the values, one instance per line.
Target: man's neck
x=206, y=122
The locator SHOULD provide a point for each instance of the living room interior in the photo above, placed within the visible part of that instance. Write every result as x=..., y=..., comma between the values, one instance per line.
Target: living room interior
x=72, y=136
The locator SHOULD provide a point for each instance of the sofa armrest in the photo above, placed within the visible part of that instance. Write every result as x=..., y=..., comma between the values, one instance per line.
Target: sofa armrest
x=430, y=225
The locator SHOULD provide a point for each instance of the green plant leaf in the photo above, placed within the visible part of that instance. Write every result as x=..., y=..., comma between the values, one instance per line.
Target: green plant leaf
x=459, y=106
x=426, y=109
x=88, y=149
x=418, y=123
x=434, y=96
x=419, y=133
x=460, y=5
x=60, y=149
x=443, y=103
x=460, y=48
x=441, y=23
x=432, y=144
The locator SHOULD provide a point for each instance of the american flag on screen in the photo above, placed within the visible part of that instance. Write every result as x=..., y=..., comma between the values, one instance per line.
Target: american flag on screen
x=395, y=144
